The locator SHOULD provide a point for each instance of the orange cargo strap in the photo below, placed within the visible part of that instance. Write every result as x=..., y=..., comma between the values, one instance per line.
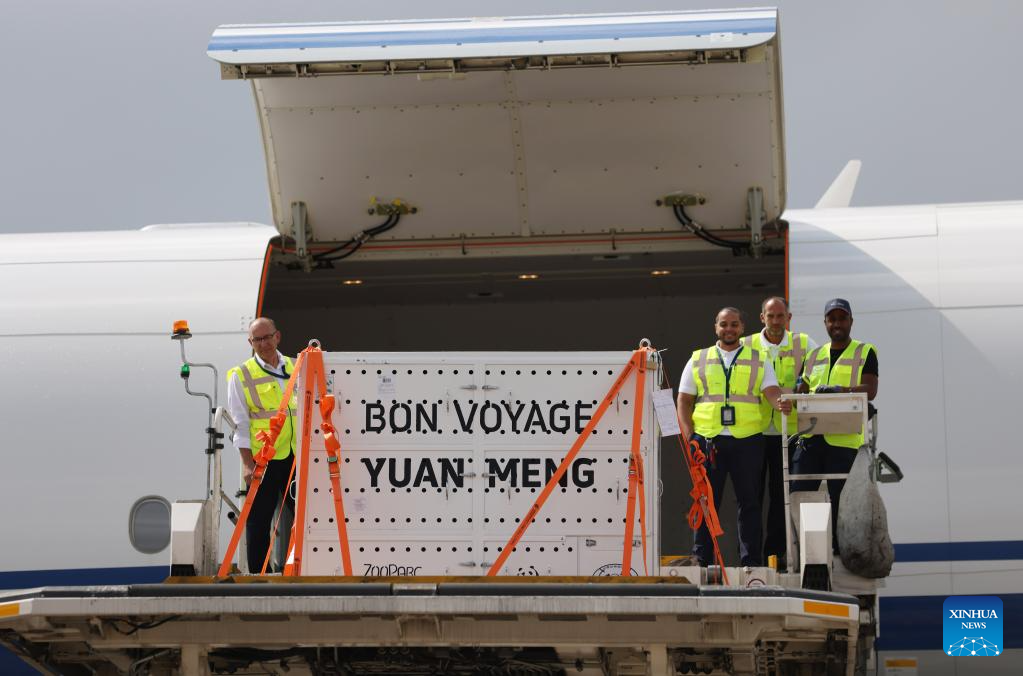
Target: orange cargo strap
x=315, y=380
x=298, y=529
x=333, y=448
x=636, y=362
x=636, y=489
x=702, y=510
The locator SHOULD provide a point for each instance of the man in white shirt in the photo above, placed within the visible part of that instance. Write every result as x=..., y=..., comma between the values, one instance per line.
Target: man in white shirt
x=255, y=391
x=719, y=407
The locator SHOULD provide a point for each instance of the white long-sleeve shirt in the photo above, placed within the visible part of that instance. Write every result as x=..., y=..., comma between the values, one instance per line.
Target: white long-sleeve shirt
x=239, y=408
x=772, y=352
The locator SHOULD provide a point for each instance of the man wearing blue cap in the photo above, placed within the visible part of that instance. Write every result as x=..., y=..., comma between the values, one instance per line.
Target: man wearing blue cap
x=843, y=365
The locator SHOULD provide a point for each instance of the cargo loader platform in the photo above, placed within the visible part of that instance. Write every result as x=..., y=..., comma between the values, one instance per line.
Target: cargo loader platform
x=420, y=626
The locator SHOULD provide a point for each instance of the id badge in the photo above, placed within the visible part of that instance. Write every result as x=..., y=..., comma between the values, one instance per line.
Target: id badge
x=727, y=415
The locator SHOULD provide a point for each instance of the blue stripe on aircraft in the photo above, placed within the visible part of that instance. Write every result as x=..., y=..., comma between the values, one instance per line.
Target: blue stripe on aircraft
x=991, y=550
x=657, y=29
x=27, y=579
x=12, y=665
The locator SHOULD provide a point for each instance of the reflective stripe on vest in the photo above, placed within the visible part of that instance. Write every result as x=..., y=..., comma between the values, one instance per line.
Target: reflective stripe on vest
x=847, y=372
x=746, y=379
x=263, y=403
x=787, y=370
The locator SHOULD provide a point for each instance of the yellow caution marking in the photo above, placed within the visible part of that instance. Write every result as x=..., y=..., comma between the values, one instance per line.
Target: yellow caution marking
x=675, y=560
x=10, y=609
x=900, y=662
x=824, y=608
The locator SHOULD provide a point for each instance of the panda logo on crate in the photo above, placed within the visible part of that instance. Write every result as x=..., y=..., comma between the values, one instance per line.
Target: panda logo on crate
x=613, y=570
x=528, y=572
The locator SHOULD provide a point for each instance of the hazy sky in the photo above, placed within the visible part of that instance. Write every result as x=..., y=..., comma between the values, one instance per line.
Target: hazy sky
x=114, y=117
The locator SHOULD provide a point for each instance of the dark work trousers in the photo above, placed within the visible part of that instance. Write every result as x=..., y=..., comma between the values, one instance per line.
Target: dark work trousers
x=819, y=457
x=261, y=516
x=742, y=459
x=774, y=539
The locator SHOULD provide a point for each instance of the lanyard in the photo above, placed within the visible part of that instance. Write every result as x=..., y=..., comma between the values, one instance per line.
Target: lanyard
x=284, y=375
x=728, y=370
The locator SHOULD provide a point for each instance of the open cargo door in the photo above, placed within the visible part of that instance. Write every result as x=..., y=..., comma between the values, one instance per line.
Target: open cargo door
x=552, y=133
x=534, y=151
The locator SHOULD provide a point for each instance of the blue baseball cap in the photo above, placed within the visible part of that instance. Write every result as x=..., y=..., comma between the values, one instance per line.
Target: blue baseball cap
x=837, y=304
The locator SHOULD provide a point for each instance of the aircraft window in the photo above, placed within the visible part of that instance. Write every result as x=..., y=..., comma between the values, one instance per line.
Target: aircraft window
x=149, y=524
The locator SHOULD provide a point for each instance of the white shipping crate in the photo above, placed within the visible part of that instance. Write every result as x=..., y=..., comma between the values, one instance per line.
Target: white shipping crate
x=442, y=454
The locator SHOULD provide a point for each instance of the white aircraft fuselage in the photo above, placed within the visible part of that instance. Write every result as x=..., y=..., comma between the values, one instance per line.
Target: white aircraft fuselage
x=102, y=419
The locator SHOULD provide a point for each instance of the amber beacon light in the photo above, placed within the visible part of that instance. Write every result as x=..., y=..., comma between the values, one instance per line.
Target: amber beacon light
x=180, y=330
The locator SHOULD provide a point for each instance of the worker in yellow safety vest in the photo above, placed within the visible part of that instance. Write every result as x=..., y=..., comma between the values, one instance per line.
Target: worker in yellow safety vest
x=786, y=351
x=719, y=407
x=843, y=365
x=254, y=393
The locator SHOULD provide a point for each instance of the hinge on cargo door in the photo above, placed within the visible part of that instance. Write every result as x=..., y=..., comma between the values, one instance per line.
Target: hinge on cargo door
x=300, y=231
x=755, y=218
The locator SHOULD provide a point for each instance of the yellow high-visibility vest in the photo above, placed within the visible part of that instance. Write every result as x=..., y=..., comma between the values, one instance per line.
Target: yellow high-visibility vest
x=847, y=372
x=263, y=396
x=787, y=369
x=744, y=391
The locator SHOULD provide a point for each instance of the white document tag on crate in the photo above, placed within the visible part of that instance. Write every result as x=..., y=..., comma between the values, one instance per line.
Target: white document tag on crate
x=664, y=408
x=387, y=386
